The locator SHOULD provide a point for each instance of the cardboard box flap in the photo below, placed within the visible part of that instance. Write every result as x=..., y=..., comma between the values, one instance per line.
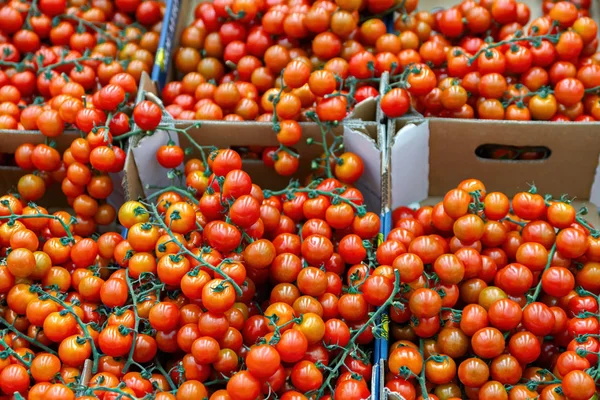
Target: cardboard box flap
x=370, y=182
x=569, y=167
x=410, y=164
x=429, y=158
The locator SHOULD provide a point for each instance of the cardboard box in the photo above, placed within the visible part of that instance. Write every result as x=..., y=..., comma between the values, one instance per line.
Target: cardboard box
x=427, y=157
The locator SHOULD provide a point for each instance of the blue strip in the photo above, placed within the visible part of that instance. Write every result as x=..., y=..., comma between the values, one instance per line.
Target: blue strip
x=389, y=23
x=381, y=344
x=165, y=44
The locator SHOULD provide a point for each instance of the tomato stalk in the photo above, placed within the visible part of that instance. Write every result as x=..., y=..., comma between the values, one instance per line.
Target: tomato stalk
x=134, y=301
x=521, y=224
x=233, y=15
x=592, y=90
x=8, y=351
x=340, y=359
x=421, y=376
x=187, y=251
x=294, y=187
x=155, y=99
x=401, y=80
x=175, y=189
x=543, y=92
x=275, y=100
x=31, y=340
x=76, y=61
x=15, y=217
x=101, y=31
x=594, y=232
x=33, y=10
x=533, y=297
x=47, y=296
x=89, y=391
x=167, y=376
x=518, y=37
x=329, y=151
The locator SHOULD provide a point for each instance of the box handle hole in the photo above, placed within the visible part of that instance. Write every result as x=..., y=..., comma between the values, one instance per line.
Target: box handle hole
x=501, y=152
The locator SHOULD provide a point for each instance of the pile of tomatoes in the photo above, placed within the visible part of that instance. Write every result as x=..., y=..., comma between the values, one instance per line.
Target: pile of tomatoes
x=486, y=60
x=499, y=298
x=56, y=54
x=223, y=290
x=278, y=60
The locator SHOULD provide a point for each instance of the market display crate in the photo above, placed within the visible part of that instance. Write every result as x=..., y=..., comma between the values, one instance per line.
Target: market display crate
x=428, y=157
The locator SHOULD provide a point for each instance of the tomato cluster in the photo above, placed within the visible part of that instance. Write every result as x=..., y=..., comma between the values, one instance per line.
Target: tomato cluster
x=487, y=60
x=278, y=60
x=56, y=54
x=240, y=292
x=498, y=298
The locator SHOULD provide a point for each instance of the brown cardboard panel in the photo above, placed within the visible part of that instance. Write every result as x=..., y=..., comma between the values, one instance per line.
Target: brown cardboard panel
x=570, y=168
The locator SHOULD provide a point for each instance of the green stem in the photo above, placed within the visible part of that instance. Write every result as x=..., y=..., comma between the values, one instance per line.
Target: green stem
x=127, y=135
x=114, y=390
x=13, y=353
x=516, y=39
x=594, y=232
x=160, y=368
x=521, y=224
x=81, y=324
x=338, y=362
x=182, y=192
x=91, y=25
x=76, y=61
x=197, y=146
x=136, y=325
x=187, y=251
x=32, y=8
x=27, y=338
x=361, y=210
x=538, y=288
x=327, y=160
x=184, y=132
x=15, y=217
x=421, y=377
